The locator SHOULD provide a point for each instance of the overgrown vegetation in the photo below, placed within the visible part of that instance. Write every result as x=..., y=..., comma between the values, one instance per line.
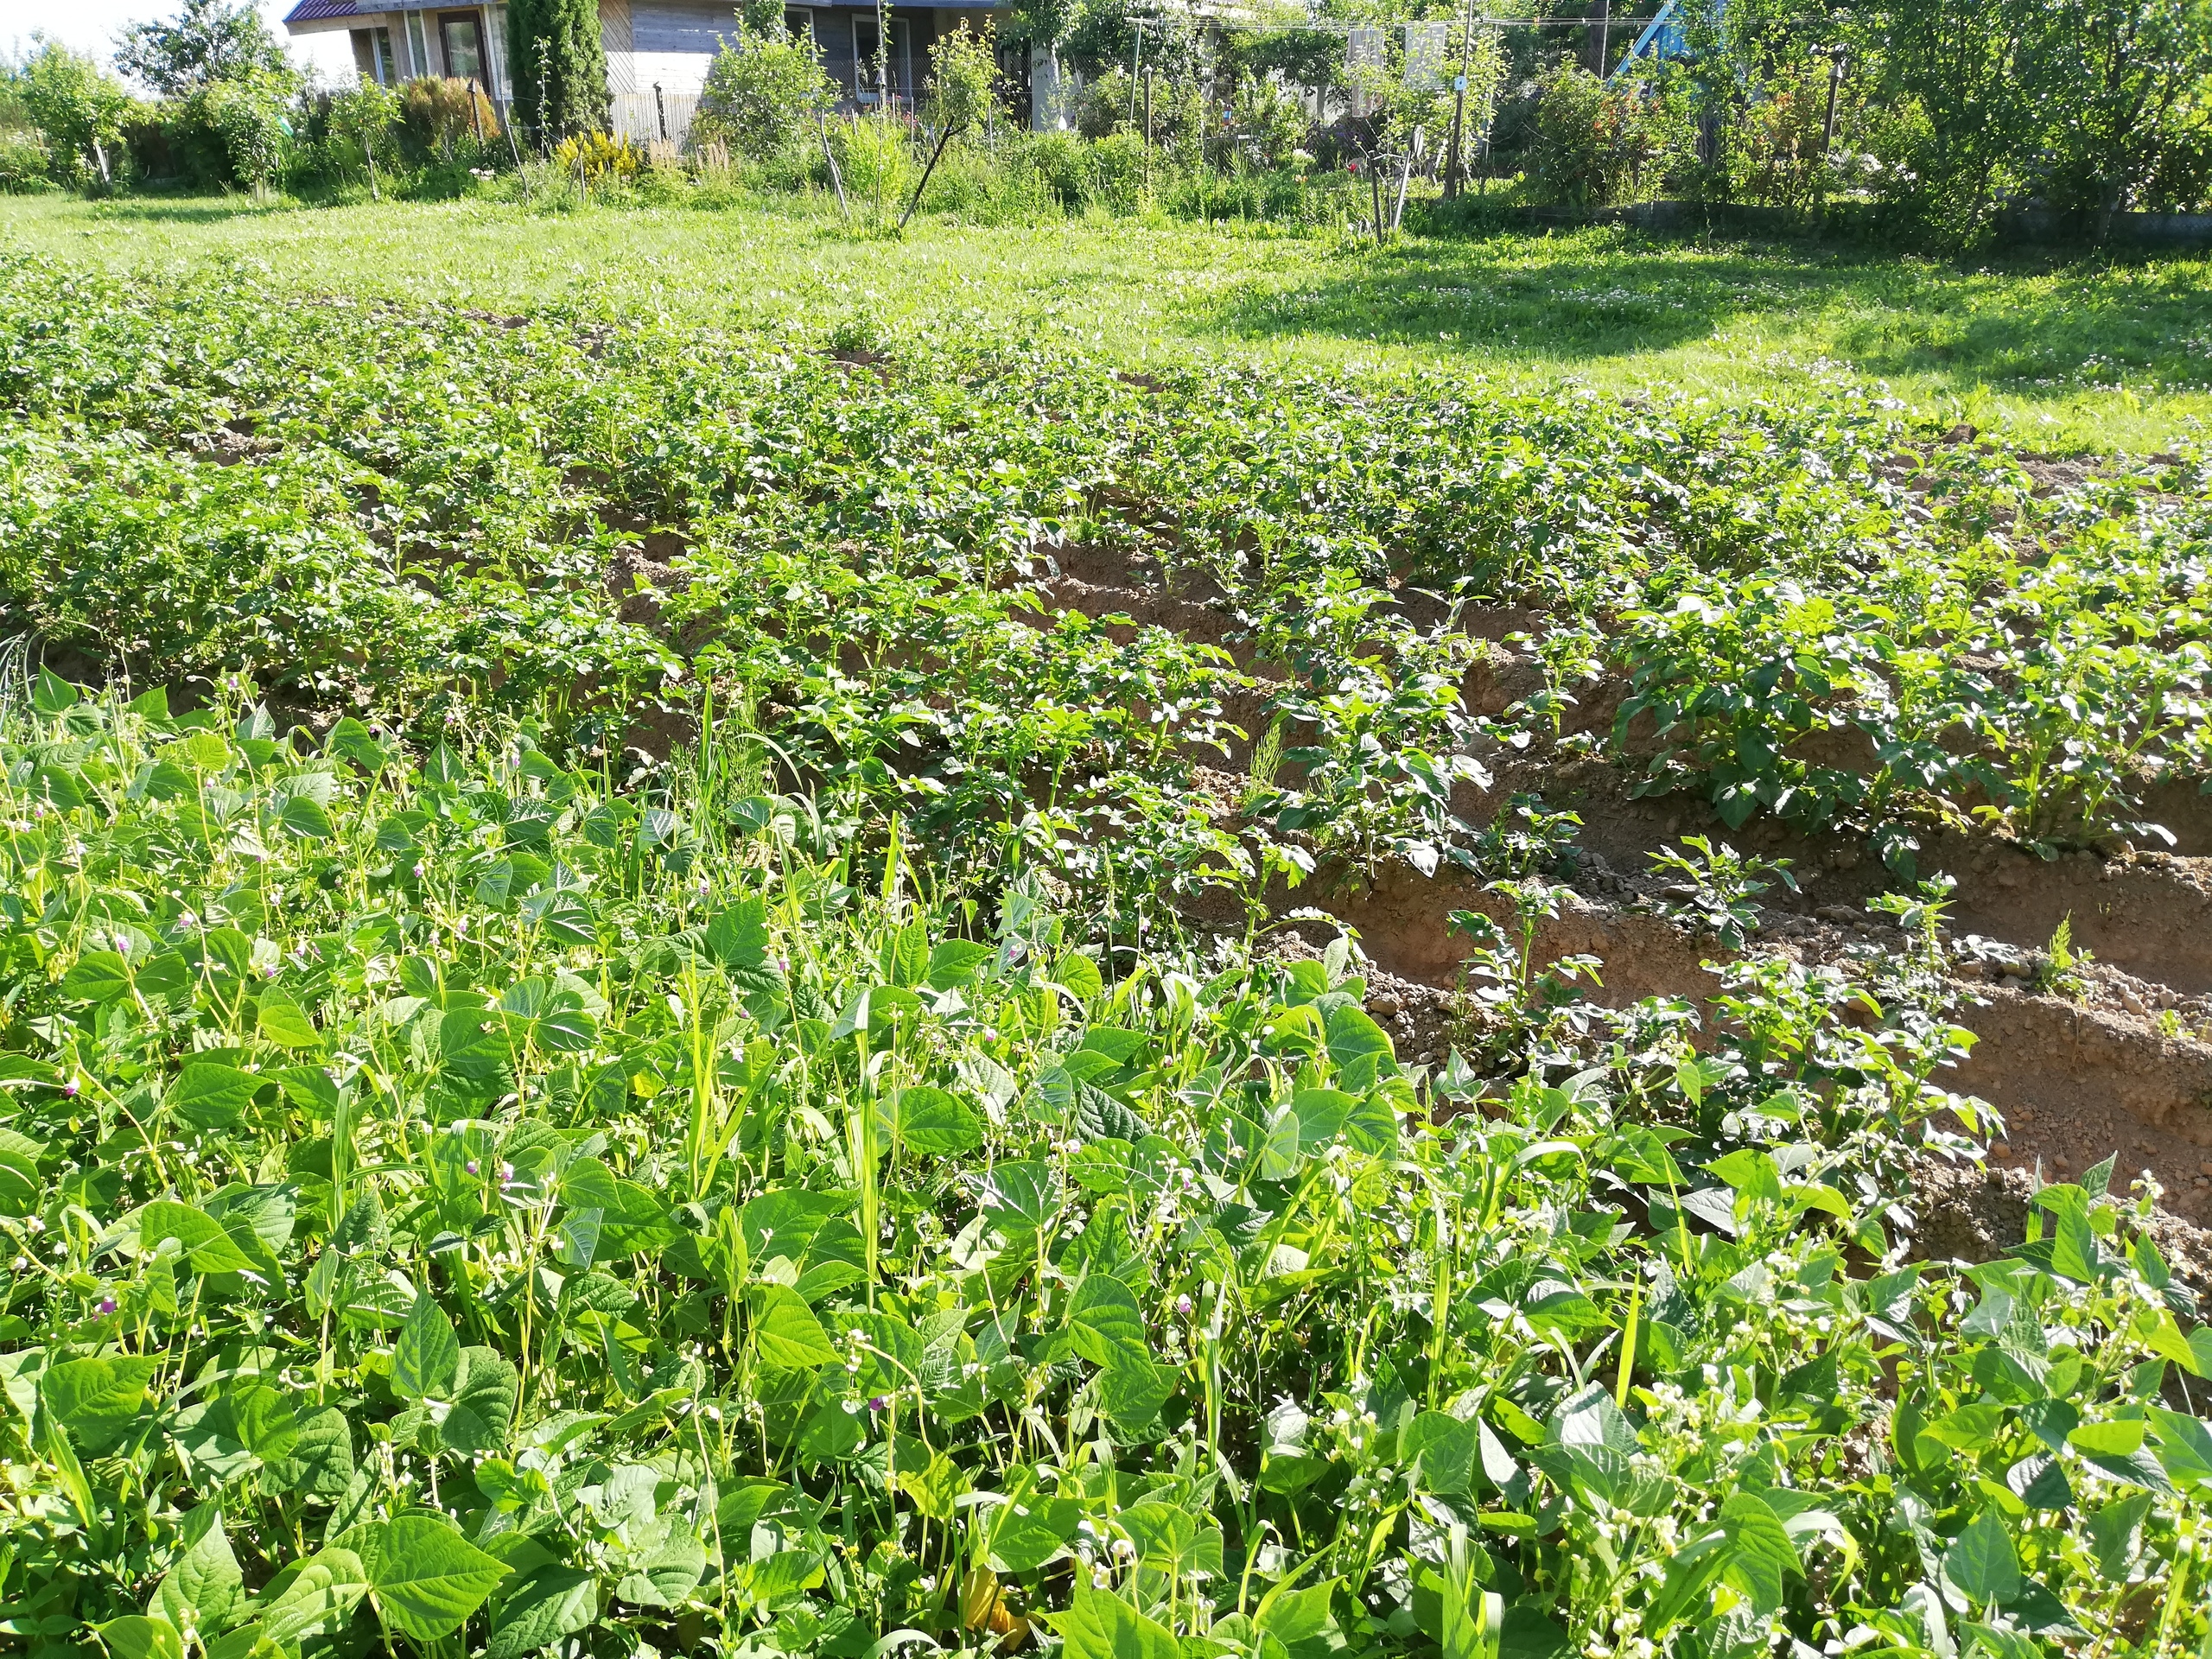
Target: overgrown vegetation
x=1926, y=125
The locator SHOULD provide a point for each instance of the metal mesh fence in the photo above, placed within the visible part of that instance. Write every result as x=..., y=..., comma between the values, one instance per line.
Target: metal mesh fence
x=653, y=117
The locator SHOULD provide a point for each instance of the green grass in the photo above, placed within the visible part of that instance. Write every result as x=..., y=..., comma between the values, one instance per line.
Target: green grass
x=2059, y=354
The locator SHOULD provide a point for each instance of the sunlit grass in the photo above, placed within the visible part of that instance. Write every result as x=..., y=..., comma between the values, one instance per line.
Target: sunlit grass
x=2062, y=354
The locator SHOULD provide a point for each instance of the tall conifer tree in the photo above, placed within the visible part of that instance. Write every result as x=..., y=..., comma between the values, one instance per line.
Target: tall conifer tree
x=557, y=66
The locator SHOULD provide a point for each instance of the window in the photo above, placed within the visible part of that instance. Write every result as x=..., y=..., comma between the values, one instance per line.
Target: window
x=386, y=72
x=865, y=42
x=463, y=40
x=418, y=50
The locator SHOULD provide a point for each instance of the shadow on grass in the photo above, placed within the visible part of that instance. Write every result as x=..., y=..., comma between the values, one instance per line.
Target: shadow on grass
x=1595, y=296
x=190, y=210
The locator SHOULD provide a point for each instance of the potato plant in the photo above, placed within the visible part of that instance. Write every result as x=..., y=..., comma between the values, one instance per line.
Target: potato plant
x=1815, y=612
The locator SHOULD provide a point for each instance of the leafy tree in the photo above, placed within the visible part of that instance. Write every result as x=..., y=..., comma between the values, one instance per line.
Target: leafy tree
x=208, y=41
x=2120, y=85
x=763, y=90
x=1040, y=22
x=1100, y=35
x=78, y=107
x=1960, y=60
x=557, y=66
x=963, y=80
x=362, y=122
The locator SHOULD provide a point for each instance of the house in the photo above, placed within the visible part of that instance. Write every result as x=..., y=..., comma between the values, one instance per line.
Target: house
x=658, y=51
x=394, y=42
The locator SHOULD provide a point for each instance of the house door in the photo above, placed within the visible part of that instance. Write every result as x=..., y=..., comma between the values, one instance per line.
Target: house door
x=867, y=67
x=462, y=36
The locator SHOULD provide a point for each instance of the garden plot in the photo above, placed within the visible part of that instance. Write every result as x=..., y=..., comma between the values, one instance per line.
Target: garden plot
x=2120, y=1063
x=721, y=1010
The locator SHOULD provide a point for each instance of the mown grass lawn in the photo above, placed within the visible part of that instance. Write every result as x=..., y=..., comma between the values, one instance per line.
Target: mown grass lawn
x=2058, y=352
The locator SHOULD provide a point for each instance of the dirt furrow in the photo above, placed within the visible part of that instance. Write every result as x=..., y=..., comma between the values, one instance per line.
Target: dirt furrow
x=2122, y=1069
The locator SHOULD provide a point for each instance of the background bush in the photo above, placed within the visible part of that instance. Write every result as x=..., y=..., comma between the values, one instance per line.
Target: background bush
x=763, y=93
x=79, y=110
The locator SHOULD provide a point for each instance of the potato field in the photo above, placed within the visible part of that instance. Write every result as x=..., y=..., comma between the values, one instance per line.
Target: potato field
x=664, y=993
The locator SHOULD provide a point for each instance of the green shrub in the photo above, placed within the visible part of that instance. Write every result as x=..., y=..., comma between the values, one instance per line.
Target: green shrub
x=237, y=132
x=875, y=158
x=361, y=123
x=1057, y=158
x=1269, y=122
x=998, y=183
x=79, y=110
x=1597, y=143
x=1102, y=107
x=1120, y=170
x=763, y=94
x=24, y=162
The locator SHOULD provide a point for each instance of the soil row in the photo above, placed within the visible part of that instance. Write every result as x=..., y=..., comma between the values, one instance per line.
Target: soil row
x=2119, y=1063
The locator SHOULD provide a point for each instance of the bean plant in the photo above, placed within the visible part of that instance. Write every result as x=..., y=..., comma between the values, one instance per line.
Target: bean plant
x=460, y=1205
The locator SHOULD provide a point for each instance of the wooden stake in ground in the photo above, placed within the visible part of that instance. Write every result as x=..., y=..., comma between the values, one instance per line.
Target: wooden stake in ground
x=943, y=139
x=1147, y=131
x=1459, y=104
x=836, y=178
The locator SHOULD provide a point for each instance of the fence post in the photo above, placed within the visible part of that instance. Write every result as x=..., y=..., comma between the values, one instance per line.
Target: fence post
x=660, y=105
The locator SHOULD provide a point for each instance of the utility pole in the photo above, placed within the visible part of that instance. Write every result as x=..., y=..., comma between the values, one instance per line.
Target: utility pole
x=1459, y=104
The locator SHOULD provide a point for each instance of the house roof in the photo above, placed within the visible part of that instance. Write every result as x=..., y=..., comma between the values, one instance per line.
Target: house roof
x=323, y=11
x=326, y=11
